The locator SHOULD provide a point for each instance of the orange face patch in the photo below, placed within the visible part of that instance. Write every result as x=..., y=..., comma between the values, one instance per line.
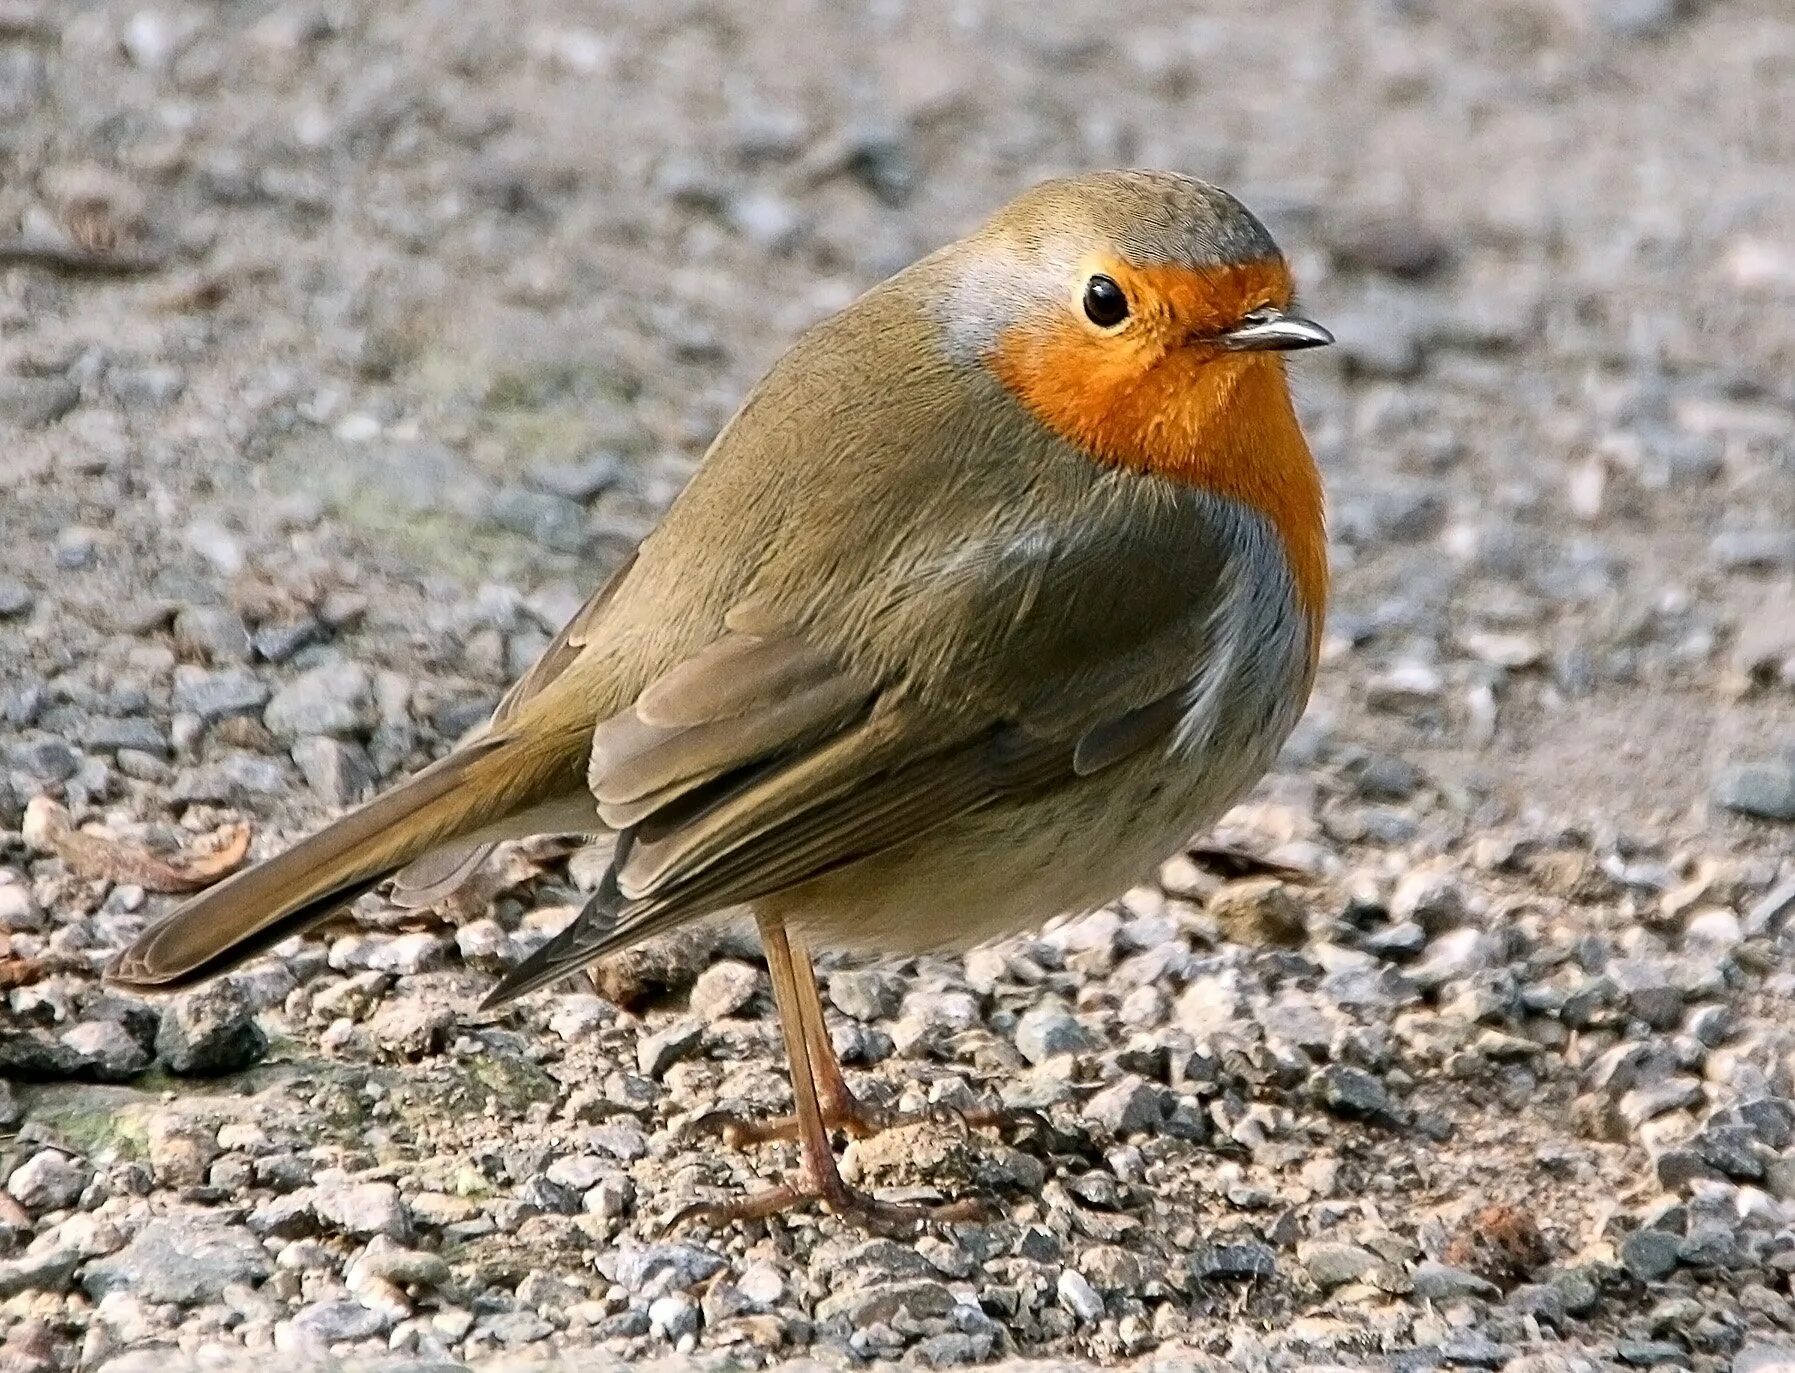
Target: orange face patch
x=1154, y=396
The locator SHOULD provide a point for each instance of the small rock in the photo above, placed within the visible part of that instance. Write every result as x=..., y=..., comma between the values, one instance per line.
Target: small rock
x=681, y=1266
x=723, y=989
x=217, y=694
x=921, y=1298
x=16, y=598
x=1356, y=1094
x=322, y=1324
x=338, y=772
x=1260, y=913
x=334, y=698
x=1127, y=1106
x=555, y=522
x=48, y=1181
x=1234, y=1262
x=363, y=1209
x=1332, y=1264
x=1763, y=789
x=865, y=994
x=34, y=402
x=1650, y=1255
x=186, y=1259
x=657, y=1052
x=209, y=1032
x=1078, y=1296
x=410, y=1029
x=114, y=1053
x=213, y=632
x=1047, y=1029
x=1441, y=1282
x=1754, y=550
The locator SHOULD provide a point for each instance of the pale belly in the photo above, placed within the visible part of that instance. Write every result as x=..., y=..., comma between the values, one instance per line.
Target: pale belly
x=1014, y=866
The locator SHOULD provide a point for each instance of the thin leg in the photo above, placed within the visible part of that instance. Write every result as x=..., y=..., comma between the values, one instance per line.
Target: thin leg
x=841, y=1108
x=821, y=1181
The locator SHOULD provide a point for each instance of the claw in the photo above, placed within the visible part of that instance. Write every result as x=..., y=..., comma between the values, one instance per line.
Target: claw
x=837, y=1198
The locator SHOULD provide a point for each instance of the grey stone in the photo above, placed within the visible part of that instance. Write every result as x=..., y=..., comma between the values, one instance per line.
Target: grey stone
x=1441, y=1282
x=210, y=1031
x=1234, y=1261
x=334, y=698
x=215, y=632
x=34, y=402
x=214, y=694
x=145, y=388
x=333, y=1322
x=1078, y=1296
x=1756, y=550
x=364, y=1208
x=1765, y=789
x=1650, y=1255
x=108, y=734
x=231, y=779
x=1127, y=1106
x=187, y=1259
x=410, y=1029
x=1047, y=1030
x=1356, y=1094
x=400, y=1266
x=114, y=1053
x=863, y=1306
x=16, y=598
x=678, y=1265
x=555, y=522
x=657, y=1052
x=1758, y=1357
x=723, y=989
x=1333, y=1264
x=866, y=994
x=338, y=772
x=39, y=1270
x=49, y=1180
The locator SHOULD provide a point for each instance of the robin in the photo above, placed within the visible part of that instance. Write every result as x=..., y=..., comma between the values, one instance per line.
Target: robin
x=1003, y=582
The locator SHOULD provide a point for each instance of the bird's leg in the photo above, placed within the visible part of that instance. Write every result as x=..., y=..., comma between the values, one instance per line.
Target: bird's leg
x=841, y=1108
x=821, y=1181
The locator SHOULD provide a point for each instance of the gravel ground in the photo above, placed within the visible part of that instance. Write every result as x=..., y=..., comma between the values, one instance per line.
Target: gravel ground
x=343, y=346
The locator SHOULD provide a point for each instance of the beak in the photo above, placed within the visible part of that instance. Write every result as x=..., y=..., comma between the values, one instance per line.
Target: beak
x=1275, y=331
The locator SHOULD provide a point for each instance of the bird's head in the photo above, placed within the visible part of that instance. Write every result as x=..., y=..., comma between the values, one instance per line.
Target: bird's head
x=1123, y=307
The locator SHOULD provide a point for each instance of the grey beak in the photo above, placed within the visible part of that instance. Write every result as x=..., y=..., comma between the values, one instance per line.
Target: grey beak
x=1273, y=330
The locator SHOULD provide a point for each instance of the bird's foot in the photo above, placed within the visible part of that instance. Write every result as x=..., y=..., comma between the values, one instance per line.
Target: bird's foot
x=853, y=1117
x=836, y=1197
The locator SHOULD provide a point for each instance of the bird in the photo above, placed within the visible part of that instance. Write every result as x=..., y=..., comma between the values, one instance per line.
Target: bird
x=1004, y=582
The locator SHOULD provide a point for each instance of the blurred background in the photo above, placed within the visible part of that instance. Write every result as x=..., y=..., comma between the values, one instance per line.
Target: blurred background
x=345, y=347
x=388, y=305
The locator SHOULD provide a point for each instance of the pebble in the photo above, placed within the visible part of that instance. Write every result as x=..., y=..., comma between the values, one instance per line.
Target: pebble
x=866, y=994
x=1332, y=1264
x=186, y=1259
x=724, y=989
x=215, y=694
x=114, y=1053
x=337, y=772
x=210, y=1031
x=1650, y=1255
x=16, y=599
x=1764, y=789
x=1234, y=1262
x=36, y=402
x=657, y=1052
x=363, y=1209
x=1047, y=1030
x=1078, y=1296
x=48, y=1181
x=1127, y=1107
x=334, y=698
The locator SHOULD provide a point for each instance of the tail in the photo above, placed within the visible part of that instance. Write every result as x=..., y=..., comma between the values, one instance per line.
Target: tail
x=471, y=794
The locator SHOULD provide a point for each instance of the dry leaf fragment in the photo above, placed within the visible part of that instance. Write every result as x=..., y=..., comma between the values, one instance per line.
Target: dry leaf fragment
x=99, y=856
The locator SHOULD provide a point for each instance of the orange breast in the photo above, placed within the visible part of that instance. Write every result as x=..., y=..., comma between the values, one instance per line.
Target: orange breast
x=1224, y=423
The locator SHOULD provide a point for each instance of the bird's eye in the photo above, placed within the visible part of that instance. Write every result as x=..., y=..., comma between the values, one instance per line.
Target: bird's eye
x=1105, y=305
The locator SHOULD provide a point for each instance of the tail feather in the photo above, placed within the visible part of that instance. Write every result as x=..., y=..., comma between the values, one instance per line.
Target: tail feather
x=468, y=794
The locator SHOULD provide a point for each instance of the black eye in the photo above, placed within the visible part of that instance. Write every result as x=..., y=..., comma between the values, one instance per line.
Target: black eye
x=1104, y=304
